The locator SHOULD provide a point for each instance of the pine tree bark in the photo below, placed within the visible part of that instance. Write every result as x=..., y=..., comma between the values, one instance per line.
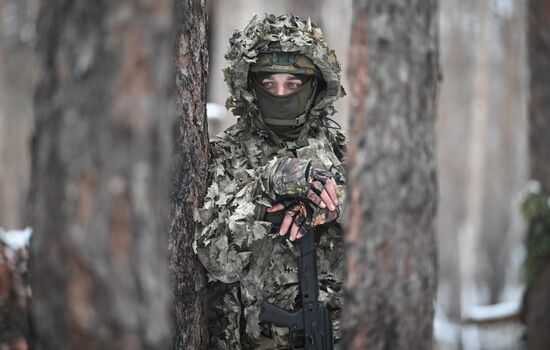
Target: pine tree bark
x=392, y=194
x=537, y=302
x=101, y=160
x=190, y=181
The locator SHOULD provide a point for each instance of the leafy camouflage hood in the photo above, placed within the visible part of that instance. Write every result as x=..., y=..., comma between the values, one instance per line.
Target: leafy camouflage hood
x=286, y=33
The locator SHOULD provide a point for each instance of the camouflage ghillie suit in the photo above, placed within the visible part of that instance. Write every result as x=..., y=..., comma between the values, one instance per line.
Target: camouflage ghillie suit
x=251, y=168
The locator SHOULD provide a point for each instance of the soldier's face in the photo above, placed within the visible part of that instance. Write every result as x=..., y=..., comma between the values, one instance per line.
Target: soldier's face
x=281, y=84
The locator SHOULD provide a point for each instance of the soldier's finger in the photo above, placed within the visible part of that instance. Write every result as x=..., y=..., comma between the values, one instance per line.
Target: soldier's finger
x=326, y=199
x=303, y=230
x=294, y=232
x=315, y=199
x=275, y=207
x=287, y=221
x=331, y=190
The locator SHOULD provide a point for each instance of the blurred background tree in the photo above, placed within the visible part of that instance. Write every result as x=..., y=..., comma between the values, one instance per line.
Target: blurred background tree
x=392, y=182
x=482, y=167
x=537, y=297
x=18, y=71
x=102, y=154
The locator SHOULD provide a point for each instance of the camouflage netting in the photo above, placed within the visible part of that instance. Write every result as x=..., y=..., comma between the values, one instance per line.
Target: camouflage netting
x=287, y=33
x=536, y=211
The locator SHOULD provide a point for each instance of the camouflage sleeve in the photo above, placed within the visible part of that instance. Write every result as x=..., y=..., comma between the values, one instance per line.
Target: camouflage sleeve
x=341, y=194
x=339, y=144
x=230, y=220
x=290, y=178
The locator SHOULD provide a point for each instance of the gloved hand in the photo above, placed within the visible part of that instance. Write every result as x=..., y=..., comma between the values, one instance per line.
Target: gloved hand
x=296, y=178
x=322, y=189
x=300, y=218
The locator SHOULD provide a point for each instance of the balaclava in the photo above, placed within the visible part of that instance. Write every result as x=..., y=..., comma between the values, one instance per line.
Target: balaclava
x=285, y=115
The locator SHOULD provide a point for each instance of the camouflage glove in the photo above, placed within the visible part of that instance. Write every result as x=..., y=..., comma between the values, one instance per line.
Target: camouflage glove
x=296, y=178
x=301, y=221
x=323, y=216
x=318, y=180
x=301, y=217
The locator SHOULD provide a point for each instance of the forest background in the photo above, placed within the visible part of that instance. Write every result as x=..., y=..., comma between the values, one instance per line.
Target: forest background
x=482, y=143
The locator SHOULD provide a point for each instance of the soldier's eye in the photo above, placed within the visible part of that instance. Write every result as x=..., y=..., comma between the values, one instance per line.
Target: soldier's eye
x=294, y=84
x=267, y=84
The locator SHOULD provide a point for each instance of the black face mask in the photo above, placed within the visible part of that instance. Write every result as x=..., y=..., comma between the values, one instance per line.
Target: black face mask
x=285, y=114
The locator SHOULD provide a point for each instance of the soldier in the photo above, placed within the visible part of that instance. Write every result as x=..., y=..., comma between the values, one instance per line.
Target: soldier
x=273, y=175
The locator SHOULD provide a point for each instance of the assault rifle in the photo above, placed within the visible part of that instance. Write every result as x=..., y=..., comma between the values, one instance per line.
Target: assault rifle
x=312, y=321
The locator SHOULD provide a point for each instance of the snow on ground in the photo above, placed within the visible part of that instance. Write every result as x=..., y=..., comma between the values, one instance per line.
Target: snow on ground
x=16, y=239
x=481, y=330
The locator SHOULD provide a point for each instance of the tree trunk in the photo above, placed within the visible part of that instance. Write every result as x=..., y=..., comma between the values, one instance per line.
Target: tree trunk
x=539, y=104
x=391, y=268
x=18, y=73
x=189, y=188
x=482, y=160
x=537, y=301
x=101, y=160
